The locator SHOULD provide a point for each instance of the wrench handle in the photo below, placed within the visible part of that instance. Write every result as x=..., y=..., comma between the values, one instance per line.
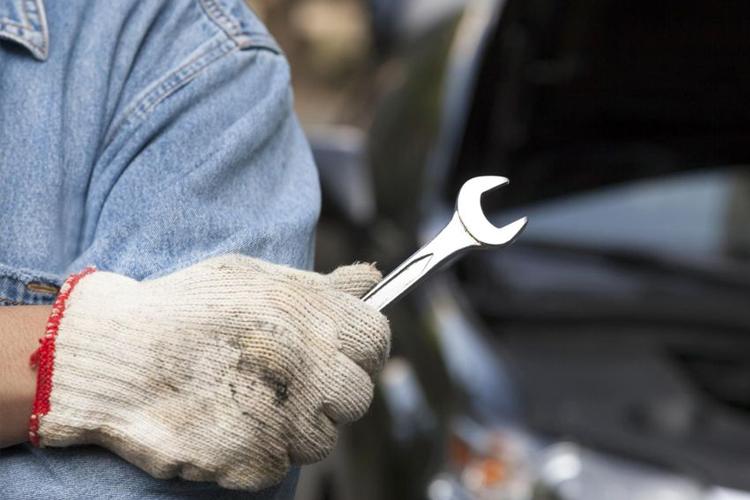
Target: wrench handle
x=452, y=240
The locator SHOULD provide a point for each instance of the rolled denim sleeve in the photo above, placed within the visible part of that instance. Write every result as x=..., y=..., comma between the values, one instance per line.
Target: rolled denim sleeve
x=206, y=158
x=218, y=165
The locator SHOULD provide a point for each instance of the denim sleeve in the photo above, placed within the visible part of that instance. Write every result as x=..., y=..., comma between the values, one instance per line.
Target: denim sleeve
x=207, y=158
x=220, y=165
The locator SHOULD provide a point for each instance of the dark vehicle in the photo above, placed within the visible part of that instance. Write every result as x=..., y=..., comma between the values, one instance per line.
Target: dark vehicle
x=606, y=355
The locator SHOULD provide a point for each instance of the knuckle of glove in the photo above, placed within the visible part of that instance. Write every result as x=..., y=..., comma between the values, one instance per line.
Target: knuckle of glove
x=349, y=394
x=356, y=279
x=314, y=440
x=256, y=475
x=364, y=336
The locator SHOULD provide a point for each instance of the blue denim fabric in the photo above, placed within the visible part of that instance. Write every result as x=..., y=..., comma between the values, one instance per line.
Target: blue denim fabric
x=140, y=137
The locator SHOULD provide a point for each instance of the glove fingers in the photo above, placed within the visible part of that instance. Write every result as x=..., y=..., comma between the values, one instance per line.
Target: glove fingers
x=356, y=279
x=350, y=392
x=314, y=438
x=257, y=473
x=192, y=472
x=364, y=336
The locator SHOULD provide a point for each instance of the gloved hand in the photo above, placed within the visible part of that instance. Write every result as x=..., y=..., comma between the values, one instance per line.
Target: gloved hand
x=227, y=371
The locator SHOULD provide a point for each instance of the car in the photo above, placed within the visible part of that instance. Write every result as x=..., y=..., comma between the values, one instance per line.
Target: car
x=606, y=354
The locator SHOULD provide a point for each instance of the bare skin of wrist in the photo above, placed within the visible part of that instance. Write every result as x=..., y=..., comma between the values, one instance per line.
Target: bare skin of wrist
x=20, y=329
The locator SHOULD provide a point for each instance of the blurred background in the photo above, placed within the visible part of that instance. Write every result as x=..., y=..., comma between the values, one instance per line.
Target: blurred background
x=606, y=354
x=329, y=44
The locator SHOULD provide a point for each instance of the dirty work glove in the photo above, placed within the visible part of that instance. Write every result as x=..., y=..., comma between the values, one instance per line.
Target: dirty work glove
x=227, y=371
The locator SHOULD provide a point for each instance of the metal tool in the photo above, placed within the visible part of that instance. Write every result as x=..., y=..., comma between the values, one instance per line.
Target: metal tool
x=469, y=229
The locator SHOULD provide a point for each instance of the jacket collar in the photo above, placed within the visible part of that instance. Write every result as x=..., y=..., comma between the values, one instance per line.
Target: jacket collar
x=25, y=22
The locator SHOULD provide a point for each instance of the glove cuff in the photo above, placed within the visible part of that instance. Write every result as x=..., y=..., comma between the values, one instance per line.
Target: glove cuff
x=43, y=359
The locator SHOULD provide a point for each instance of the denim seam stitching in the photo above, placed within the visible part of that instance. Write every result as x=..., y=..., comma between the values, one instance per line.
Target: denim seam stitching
x=9, y=22
x=41, y=25
x=39, y=50
x=6, y=301
x=226, y=23
x=14, y=283
x=169, y=84
x=180, y=77
x=245, y=39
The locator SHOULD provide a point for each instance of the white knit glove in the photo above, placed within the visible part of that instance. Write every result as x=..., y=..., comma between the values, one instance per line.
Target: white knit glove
x=227, y=371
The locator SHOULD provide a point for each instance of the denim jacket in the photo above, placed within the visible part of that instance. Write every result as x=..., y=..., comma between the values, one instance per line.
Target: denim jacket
x=140, y=137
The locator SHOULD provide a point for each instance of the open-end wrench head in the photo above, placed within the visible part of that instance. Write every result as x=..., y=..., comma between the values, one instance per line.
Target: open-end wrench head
x=469, y=209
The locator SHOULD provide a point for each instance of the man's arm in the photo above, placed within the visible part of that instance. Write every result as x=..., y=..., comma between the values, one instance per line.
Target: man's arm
x=20, y=329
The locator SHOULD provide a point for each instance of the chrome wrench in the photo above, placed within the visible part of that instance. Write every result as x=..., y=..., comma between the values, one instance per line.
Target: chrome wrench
x=468, y=230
